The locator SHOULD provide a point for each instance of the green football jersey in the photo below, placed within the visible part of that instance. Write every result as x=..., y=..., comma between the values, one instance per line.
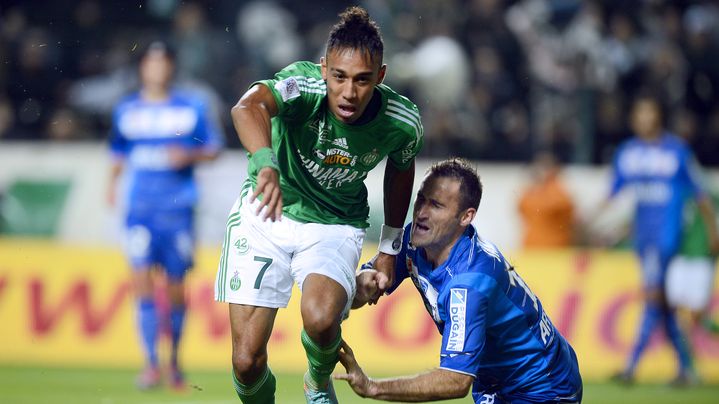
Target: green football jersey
x=695, y=242
x=323, y=161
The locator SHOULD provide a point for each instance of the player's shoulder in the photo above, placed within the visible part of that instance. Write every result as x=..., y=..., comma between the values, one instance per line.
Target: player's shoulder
x=187, y=98
x=302, y=69
x=128, y=100
x=673, y=141
x=401, y=112
x=397, y=98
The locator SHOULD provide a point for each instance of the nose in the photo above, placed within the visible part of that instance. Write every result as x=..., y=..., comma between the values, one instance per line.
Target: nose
x=348, y=91
x=419, y=211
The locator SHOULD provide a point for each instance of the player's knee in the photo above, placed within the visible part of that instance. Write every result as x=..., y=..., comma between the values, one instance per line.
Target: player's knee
x=320, y=322
x=248, y=366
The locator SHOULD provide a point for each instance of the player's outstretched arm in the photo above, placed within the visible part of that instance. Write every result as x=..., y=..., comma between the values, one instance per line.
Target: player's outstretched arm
x=437, y=384
x=251, y=117
x=397, y=194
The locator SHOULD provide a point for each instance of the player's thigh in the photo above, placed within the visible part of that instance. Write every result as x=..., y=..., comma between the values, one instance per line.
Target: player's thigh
x=654, y=264
x=332, y=251
x=699, y=282
x=676, y=282
x=139, y=244
x=254, y=266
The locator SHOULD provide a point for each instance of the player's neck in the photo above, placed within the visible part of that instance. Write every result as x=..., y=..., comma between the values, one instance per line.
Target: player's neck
x=151, y=93
x=372, y=109
x=438, y=256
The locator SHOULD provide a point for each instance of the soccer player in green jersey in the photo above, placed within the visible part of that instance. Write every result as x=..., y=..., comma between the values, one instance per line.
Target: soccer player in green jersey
x=313, y=133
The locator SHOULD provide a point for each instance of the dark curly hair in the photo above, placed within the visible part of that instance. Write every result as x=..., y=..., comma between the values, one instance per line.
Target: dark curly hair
x=355, y=30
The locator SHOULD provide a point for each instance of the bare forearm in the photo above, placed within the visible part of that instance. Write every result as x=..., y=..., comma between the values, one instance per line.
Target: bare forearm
x=434, y=385
x=397, y=193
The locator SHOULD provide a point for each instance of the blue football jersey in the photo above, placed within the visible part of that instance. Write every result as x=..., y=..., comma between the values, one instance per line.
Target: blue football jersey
x=662, y=174
x=493, y=327
x=143, y=134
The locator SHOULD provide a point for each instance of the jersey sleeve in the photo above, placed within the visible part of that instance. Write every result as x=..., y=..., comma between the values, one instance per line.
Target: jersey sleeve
x=464, y=333
x=409, y=122
x=297, y=89
x=618, y=178
x=119, y=146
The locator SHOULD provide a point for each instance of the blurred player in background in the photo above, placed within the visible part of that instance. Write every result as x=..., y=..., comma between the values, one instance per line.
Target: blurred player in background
x=158, y=136
x=313, y=133
x=496, y=337
x=660, y=169
x=546, y=207
x=690, y=277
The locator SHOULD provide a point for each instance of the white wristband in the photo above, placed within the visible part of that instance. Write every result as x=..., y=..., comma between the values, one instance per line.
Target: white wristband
x=390, y=240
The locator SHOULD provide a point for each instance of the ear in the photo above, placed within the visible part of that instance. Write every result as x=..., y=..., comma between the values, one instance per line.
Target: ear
x=323, y=67
x=382, y=72
x=467, y=216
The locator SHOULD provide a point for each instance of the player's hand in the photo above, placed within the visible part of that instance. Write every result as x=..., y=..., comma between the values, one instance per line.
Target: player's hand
x=366, y=287
x=111, y=195
x=268, y=185
x=384, y=264
x=355, y=376
x=179, y=157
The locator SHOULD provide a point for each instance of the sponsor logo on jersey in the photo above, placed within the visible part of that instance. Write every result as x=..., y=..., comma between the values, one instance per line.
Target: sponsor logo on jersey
x=487, y=398
x=331, y=177
x=370, y=158
x=408, y=152
x=457, y=314
x=288, y=88
x=235, y=281
x=340, y=142
x=338, y=157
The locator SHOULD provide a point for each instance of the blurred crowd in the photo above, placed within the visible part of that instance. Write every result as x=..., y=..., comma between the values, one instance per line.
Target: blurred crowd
x=495, y=80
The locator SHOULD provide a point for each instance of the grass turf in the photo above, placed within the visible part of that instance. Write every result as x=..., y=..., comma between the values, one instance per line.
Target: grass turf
x=20, y=385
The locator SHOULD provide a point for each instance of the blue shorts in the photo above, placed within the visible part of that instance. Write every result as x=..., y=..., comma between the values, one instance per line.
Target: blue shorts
x=164, y=238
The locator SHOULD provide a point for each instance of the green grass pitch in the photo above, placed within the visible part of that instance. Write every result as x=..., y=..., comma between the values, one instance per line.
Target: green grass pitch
x=31, y=385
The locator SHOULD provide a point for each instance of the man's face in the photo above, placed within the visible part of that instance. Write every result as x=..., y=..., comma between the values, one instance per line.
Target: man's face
x=646, y=119
x=437, y=219
x=156, y=69
x=351, y=76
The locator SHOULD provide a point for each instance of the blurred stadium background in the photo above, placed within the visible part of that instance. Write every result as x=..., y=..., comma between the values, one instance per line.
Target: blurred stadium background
x=496, y=81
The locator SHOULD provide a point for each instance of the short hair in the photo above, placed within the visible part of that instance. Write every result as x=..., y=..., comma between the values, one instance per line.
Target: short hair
x=355, y=30
x=470, y=185
x=159, y=46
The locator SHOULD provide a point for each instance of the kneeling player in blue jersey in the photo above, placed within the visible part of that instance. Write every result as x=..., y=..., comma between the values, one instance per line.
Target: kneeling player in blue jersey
x=496, y=337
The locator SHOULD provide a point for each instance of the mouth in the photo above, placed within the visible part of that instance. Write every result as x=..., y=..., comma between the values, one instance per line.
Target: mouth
x=346, y=111
x=420, y=228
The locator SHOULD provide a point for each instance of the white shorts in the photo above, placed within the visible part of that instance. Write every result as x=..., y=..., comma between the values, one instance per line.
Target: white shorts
x=690, y=282
x=260, y=260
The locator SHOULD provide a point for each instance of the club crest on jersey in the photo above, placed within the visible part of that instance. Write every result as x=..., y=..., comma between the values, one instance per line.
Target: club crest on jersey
x=457, y=314
x=288, y=88
x=235, y=281
x=370, y=158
